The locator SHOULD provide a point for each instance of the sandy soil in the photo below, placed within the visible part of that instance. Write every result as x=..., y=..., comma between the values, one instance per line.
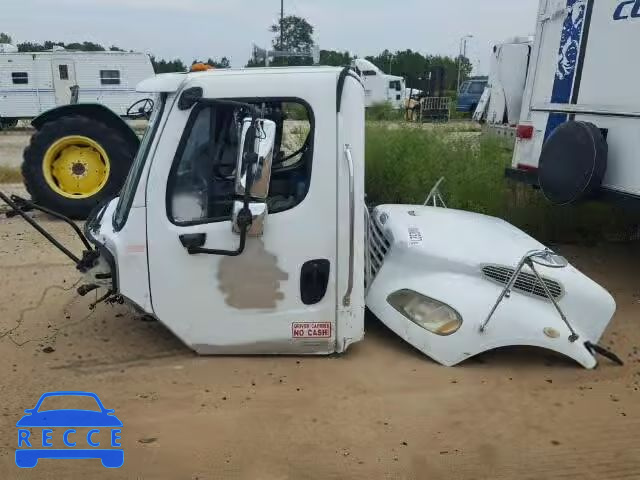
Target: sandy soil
x=12, y=143
x=380, y=411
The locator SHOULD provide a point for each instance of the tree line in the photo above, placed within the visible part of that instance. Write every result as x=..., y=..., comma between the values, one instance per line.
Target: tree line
x=295, y=35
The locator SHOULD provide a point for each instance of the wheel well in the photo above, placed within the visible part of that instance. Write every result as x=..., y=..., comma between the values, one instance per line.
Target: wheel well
x=93, y=112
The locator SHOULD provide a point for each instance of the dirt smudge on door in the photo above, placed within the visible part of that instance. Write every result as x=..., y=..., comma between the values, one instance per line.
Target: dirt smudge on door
x=251, y=280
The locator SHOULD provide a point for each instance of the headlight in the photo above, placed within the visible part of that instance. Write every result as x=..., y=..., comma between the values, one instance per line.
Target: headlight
x=430, y=314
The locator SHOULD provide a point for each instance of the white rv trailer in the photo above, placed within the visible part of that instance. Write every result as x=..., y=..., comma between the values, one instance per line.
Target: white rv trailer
x=32, y=83
x=578, y=130
x=378, y=86
x=502, y=99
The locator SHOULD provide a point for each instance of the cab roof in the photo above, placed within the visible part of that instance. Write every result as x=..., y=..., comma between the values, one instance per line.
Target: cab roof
x=172, y=82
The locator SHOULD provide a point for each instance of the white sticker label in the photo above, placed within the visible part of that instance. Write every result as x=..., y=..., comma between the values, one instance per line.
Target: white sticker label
x=415, y=236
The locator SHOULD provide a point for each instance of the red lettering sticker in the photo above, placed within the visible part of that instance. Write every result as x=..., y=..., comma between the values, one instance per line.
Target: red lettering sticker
x=311, y=330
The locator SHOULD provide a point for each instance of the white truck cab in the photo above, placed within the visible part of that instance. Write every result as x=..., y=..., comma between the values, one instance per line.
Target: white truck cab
x=243, y=228
x=378, y=86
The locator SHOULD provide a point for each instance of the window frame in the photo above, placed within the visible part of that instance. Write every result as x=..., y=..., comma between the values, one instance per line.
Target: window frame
x=124, y=205
x=182, y=144
x=110, y=80
x=17, y=77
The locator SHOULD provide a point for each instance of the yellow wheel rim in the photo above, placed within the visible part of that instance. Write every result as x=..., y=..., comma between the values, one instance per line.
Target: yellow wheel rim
x=76, y=167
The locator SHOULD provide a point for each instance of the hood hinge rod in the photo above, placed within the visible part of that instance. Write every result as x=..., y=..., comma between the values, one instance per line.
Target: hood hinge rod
x=528, y=261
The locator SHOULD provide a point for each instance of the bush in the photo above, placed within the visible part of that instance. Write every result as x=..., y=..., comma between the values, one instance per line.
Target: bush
x=403, y=164
x=383, y=112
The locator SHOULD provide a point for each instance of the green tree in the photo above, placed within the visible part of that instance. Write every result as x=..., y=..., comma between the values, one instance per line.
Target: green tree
x=415, y=67
x=224, y=62
x=297, y=37
x=335, y=59
x=49, y=44
x=5, y=38
x=164, y=66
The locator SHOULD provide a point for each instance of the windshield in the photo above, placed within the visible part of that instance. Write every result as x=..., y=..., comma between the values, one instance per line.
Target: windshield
x=131, y=184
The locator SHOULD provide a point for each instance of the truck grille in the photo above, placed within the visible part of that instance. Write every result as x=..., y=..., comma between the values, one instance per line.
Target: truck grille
x=525, y=283
x=378, y=247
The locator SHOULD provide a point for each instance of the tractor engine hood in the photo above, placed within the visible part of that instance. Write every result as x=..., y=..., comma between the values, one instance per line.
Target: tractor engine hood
x=435, y=274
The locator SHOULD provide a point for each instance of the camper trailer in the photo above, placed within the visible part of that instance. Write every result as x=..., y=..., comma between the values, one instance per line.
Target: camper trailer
x=32, y=83
x=578, y=132
x=501, y=102
x=380, y=87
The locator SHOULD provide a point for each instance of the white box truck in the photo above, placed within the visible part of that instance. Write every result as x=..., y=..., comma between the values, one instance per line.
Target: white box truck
x=578, y=135
x=501, y=102
x=34, y=82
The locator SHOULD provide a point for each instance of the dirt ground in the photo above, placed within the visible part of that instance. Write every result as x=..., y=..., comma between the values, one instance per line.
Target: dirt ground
x=12, y=143
x=380, y=411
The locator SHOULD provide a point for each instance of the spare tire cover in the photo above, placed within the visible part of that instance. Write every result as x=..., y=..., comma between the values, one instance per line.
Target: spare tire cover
x=573, y=162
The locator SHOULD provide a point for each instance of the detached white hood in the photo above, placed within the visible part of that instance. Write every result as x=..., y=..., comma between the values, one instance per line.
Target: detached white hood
x=464, y=260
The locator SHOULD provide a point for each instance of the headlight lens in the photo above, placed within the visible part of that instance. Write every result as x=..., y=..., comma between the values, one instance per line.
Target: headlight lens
x=430, y=314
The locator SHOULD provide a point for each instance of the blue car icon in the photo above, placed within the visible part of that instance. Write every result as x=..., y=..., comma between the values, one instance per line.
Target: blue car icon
x=70, y=419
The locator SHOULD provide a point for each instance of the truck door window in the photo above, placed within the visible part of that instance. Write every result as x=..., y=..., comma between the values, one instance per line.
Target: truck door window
x=291, y=172
x=476, y=87
x=202, y=180
x=201, y=184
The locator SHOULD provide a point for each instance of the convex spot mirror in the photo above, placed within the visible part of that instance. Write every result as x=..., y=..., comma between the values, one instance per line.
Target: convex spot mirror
x=257, y=156
x=259, y=214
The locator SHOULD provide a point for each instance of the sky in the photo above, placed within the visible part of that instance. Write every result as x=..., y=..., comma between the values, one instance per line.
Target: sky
x=189, y=29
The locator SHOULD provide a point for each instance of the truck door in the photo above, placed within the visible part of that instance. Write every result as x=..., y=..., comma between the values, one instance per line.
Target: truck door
x=64, y=77
x=278, y=295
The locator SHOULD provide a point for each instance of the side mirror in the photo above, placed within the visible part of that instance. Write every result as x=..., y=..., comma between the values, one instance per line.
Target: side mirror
x=259, y=212
x=257, y=141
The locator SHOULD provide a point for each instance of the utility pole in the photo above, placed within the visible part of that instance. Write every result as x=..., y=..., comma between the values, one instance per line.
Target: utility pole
x=281, y=24
x=463, y=53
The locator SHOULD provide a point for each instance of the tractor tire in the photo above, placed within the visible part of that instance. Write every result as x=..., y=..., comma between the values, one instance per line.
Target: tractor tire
x=74, y=163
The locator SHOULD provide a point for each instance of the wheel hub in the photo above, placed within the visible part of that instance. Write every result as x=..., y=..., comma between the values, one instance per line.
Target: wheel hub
x=76, y=167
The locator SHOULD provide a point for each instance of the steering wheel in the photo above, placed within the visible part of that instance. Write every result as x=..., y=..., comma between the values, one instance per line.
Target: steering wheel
x=141, y=109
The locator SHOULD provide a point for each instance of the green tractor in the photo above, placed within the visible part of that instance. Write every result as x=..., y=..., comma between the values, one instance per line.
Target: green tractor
x=80, y=155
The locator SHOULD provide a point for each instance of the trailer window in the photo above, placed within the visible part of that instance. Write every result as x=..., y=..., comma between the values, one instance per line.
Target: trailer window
x=64, y=72
x=20, y=78
x=369, y=73
x=110, y=77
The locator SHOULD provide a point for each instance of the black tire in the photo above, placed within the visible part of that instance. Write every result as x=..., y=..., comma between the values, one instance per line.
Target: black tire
x=573, y=163
x=119, y=151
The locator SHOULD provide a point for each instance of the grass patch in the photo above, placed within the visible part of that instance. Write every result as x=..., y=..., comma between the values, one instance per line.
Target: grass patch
x=384, y=112
x=10, y=175
x=403, y=164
